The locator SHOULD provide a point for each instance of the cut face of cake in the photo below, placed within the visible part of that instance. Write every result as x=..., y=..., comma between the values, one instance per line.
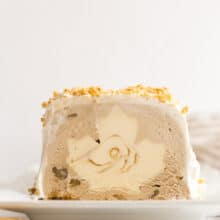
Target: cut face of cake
x=116, y=145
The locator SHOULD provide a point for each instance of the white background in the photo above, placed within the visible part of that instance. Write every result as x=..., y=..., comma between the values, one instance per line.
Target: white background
x=47, y=45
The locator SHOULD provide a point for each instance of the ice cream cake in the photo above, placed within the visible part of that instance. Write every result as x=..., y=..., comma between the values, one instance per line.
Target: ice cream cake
x=126, y=144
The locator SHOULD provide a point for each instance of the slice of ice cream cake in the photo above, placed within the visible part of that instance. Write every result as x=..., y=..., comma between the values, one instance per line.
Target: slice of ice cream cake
x=116, y=145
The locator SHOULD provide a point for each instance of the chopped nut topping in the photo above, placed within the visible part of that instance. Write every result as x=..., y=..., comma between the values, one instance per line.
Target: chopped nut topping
x=56, y=94
x=98, y=141
x=184, y=110
x=44, y=104
x=43, y=121
x=72, y=115
x=119, y=196
x=179, y=177
x=155, y=193
x=33, y=191
x=60, y=173
x=161, y=94
x=92, y=91
x=75, y=182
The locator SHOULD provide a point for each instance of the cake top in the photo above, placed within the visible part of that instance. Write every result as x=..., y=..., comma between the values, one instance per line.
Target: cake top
x=162, y=94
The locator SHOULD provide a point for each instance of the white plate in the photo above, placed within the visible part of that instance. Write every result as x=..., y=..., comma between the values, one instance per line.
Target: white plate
x=133, y=210
x=13, y=196
x=117, y=210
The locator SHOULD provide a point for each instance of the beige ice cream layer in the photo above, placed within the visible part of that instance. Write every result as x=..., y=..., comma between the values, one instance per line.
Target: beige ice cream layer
x=116, y=147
